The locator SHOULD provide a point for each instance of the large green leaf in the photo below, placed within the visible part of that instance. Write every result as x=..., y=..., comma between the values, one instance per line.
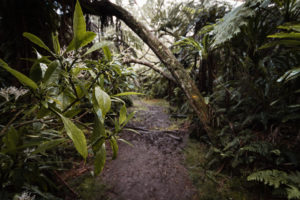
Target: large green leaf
x=127, y=93
x=129, y=117
x=114, y=146
x=50, y=74
x=36, y=72
x=95, y=47
x=21, y=77
x=100, y=159
x=103, y=100
x=81, y=41
x=295, y=27
x=107, y=53
x=123, y=112
x=81, y=36
x=76, y=136
x=36, y=40
x=56, y=44
x=286, y=35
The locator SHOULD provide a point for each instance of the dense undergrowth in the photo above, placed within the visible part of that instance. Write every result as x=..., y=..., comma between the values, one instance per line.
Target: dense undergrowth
x=69, y=102
x=247, y=67
x=245, y=61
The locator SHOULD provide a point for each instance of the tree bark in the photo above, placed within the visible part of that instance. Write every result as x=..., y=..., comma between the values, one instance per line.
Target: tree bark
x=150, y=65
x=106, y=8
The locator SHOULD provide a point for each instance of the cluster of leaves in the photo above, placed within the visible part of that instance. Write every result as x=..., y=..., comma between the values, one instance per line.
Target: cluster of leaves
x=44, y=123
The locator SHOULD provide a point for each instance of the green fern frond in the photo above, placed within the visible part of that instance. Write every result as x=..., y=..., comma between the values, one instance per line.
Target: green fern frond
x=231, y=24
x=278, y=178
x=261, y=148
x=293, y=192
x=269, y=177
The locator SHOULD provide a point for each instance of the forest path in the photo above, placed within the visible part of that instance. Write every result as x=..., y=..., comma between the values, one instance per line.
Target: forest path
x=152, y=169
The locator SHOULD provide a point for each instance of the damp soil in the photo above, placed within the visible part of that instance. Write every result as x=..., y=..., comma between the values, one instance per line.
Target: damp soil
x=153, y=168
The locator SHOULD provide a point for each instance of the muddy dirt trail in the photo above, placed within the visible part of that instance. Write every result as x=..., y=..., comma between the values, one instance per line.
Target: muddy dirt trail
x=152, y=169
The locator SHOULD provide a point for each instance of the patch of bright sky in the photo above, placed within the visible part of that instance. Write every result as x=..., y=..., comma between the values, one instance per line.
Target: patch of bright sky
x=234, y=3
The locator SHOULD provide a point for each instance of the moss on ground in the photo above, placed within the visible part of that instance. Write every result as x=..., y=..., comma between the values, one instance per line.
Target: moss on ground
x=89, y=187
x=209, y=184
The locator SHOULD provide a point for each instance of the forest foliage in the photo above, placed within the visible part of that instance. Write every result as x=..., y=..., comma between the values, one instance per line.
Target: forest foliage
x=64, y=91
x=246, y=65
x=244, y=60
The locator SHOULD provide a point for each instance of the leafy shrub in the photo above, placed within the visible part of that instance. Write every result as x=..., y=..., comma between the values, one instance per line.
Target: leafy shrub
x=62, y=89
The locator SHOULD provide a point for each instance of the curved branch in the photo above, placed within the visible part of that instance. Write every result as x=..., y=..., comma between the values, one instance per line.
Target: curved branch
x=196, y=100
x=150, y=65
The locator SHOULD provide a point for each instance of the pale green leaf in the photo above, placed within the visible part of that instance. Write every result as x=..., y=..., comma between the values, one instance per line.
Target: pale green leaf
x=51, y=74
x=107, y=53
x=81, y=36
x=36, y=40
x=76, y=136
x=127, y=93
x=95, y=47
x=114, y=146
x=123, y=112
x=126, y=142
x=103, y=100
x=295, y=27
x=129, y=117
x=21, y=77
x=100, y=159
x=56, y=44
x=285, y=35
x=79, y=26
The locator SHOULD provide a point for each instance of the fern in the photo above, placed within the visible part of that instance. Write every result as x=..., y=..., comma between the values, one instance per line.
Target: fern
x=231, y=24
x=261, y=148
x=293, y=192
x=278, y=178
x=270, y=177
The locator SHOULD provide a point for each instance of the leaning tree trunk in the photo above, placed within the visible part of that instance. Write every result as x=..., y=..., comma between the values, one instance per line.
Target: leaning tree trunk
x=106, y=8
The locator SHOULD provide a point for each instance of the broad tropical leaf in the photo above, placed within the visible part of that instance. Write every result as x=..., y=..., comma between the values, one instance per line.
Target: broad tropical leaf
x=50, y=75
x=95, y=47
x=21, y=77
x=107, y=53
x=103, y=100
x=81, y=36
x=76, y=136
x=123, y=112
x=114, y=147
x=56, y=44
x=100, y=159
x=36, y=40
